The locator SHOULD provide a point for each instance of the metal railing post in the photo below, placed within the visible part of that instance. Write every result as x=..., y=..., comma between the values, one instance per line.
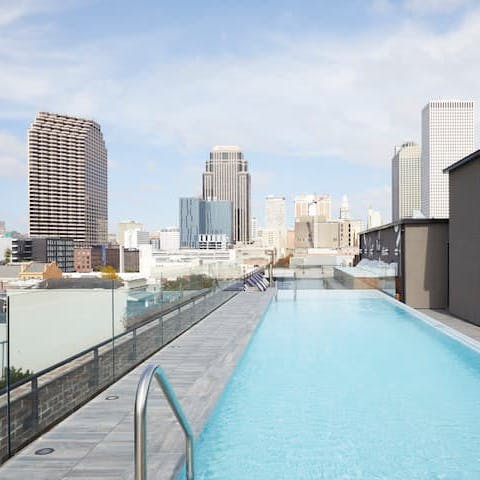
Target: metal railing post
x=295, y=287
x=34, y=388
x=140, y=415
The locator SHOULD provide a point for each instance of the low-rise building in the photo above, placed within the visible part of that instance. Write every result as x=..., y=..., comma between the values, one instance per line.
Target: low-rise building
x=131, y=259
x=39, y=271
x=212, y=242
x=314, y=232
x=46, y=250
x=89, y=259
x=417, y=250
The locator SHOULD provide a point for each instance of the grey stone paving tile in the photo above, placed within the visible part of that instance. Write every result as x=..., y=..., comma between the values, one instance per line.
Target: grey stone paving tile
x=473, y=331
x=96, y=442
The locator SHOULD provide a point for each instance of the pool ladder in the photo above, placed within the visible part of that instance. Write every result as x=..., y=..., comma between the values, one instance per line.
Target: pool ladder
x=141, y=420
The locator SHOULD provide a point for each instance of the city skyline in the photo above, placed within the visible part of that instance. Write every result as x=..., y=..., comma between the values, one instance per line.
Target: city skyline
x=157, y=143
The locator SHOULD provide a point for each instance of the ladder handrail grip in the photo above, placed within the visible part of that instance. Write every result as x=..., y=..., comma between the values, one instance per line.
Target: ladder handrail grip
x=140, y=415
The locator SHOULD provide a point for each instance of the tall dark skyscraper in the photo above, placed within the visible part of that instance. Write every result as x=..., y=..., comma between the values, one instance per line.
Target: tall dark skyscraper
x=226, y=178
x=67, y=179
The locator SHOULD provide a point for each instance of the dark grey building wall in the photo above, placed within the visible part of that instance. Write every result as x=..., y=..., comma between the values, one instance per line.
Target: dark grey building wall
x=464, y=249
x=420, y=248
x=381, y=244
x=426, y=265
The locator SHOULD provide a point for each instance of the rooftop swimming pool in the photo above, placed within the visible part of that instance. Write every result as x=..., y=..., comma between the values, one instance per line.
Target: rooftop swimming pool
x=346, y=385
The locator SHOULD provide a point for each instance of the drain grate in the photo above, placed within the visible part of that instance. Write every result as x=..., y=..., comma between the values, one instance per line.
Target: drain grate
x=44, y=451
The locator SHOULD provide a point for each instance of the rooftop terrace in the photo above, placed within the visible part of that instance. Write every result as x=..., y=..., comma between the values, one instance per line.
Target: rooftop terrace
x=96, y=442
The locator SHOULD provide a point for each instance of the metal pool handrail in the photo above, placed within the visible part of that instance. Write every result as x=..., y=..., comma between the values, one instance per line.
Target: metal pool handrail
x=141, y=420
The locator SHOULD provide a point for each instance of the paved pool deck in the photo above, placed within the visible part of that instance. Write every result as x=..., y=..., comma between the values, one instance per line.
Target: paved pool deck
x=96, y=442
x=462, y=326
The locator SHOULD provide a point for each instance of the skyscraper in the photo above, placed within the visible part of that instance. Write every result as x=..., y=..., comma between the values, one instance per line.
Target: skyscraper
x=447, y=136
x=344, y=209
x=67, y=179
x=226, y=177
x=275, y=213
x=406, y=181
x=274, y=235
x=374, y=218
x=254, y=229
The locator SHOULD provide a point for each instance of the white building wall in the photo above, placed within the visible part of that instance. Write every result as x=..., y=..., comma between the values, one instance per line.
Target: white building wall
x=447, y=136
x=406, y=180
x=5, y=243
x=122, y=227
x=134, y=238
x=374, y=218
x=313, y=205
x=170, y=239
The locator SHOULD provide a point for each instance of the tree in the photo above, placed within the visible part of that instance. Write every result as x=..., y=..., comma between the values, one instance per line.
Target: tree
x=15, y=376
x=8, y=255
x=109, y=273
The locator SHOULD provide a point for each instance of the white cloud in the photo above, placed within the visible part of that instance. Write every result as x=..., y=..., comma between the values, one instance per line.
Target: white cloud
x=326, y=96
x=436, y=6
x=12, y=11
x=12, y=156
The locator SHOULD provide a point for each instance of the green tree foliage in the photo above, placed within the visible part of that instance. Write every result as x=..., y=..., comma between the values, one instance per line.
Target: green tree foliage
x=16, y=374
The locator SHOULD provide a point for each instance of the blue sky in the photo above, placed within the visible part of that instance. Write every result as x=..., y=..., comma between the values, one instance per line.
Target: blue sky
x=317, y=93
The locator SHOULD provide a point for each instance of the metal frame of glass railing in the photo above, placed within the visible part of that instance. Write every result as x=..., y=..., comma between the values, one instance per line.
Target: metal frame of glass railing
x=140, y=434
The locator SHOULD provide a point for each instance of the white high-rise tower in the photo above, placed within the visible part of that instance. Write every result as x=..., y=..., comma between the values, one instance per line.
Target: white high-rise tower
x=406, y=181
x=447, y=136
x=67, y=179
x=275, y=213
x=344, y=209
x=227, y=178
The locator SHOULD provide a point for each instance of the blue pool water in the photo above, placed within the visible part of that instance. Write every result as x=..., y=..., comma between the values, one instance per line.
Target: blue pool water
x=346, y=385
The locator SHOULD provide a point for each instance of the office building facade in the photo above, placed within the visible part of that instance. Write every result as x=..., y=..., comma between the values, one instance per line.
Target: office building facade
x=45, y=250
x=89, y=259
x=67, y=179
x=406, y=181
x=447, y=136
x=169, y=239
x=200, y=217
x=226, y=178
x=275, y=213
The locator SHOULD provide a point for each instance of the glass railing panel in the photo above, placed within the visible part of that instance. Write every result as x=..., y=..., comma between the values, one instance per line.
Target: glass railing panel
x=383, y=277
x=4, y=423
x=60, y=355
